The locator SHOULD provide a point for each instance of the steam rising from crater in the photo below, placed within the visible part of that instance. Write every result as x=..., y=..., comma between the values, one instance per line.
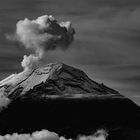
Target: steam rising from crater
x=41, y=35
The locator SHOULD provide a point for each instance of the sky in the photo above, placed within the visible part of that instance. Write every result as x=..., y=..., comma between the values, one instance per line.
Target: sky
x=107, y=39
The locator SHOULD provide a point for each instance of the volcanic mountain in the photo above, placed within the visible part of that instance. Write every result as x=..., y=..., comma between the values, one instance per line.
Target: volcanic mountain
x=54, y=80
x=65, y=100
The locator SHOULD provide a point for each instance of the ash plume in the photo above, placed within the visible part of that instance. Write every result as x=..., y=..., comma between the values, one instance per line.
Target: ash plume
x=41, y=35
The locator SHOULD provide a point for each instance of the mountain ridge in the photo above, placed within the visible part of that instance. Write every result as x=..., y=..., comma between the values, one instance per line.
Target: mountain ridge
x=55, y=80
x=63, y=99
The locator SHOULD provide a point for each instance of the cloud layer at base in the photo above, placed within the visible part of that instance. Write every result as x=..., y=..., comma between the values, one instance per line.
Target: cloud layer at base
x=47, y=135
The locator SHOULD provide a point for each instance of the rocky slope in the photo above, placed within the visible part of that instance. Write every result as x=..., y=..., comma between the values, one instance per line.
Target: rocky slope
x=54, y=80
x=64, y=100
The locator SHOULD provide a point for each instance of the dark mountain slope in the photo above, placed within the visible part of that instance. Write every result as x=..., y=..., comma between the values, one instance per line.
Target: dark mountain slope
x=63, y=99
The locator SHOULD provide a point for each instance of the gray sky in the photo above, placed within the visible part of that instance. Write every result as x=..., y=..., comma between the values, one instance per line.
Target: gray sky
x=107, y=39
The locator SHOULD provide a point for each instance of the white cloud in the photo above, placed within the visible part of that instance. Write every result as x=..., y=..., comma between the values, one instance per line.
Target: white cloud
x=47, y=135
x=41, y=35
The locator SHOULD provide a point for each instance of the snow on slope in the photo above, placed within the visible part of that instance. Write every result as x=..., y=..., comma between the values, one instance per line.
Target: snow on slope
x=52, y=81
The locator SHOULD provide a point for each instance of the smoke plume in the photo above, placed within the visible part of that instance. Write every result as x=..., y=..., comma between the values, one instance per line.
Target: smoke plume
x=41, y=35
x=47, y=135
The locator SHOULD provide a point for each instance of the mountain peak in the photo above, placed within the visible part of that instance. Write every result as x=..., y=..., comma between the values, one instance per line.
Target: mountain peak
x=54, y=80
x=63, y=99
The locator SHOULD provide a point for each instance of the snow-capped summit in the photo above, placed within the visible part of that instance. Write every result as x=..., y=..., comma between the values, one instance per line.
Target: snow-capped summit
x=54, y=80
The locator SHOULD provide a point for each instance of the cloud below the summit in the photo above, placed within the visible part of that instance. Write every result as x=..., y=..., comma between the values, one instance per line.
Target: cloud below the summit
x=47, y=135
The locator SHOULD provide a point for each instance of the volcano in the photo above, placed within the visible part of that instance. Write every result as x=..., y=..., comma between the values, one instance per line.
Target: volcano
x=65, y=100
